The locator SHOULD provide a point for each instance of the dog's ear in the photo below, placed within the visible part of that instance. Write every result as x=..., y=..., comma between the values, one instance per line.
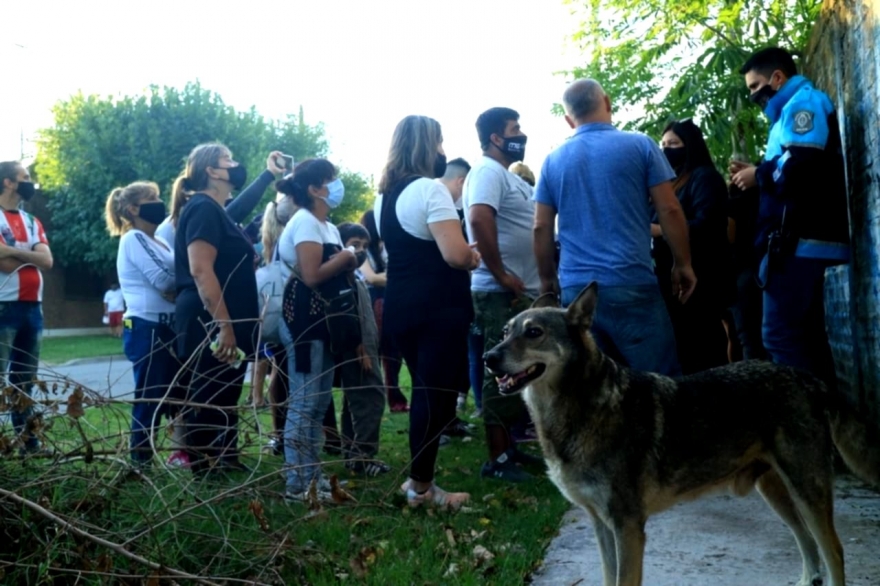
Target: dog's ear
x=546, y=300
x=581, y=310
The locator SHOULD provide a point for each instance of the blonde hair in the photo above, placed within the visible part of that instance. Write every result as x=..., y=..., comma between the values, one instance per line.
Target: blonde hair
x=413, y=150
x=194, y=177
x=116, y=214
x=523, y=171
x=276, y=216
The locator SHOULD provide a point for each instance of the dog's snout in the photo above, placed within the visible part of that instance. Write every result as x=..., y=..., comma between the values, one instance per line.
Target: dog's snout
x=492, y=359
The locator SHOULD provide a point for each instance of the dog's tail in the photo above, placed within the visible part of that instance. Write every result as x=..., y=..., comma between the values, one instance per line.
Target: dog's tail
x=857, y=440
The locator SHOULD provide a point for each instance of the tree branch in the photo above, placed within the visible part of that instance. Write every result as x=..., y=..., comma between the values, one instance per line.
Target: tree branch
x=94, y=538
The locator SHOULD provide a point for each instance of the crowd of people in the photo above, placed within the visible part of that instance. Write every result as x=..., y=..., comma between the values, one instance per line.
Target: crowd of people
x=693, y=271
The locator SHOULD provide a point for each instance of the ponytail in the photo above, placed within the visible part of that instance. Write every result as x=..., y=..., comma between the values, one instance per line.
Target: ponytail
x=194, y=177
x=116, y=214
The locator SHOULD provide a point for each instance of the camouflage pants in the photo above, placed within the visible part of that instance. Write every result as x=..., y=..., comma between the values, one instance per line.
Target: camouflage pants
x=492, y=311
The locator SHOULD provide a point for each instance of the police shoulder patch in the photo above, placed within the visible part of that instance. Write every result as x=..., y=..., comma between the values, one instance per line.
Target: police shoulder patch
x=803, y=122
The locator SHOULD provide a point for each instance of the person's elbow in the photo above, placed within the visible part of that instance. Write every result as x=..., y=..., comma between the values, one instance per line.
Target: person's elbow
x=458, y=258
x=200, y=272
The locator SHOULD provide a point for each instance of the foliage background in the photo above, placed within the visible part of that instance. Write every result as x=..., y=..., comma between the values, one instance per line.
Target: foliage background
x=98, y=143
x=662, y=60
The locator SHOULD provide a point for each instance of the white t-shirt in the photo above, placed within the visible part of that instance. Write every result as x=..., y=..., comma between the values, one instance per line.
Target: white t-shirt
x=489, y=183
x=166, y=231
x=114, y=300
x=423, y=202
x=304, y=227
x=146, y=270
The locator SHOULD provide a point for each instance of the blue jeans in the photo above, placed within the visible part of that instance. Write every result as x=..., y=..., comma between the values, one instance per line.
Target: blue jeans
x=793, y=329
x=632, y=326
x=148, y=346
x=21, y=330
x=475, y=362
x=310, y=395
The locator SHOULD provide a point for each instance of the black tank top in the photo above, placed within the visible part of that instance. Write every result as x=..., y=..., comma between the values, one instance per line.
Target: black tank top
x=421, y=285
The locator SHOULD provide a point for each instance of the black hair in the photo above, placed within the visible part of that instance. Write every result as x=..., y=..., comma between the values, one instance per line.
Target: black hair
x=493, y=121
x=309, y=173
x=459, y=162
x=349, y=230
x=368, y=221
x=766, y=61
x=696, y=151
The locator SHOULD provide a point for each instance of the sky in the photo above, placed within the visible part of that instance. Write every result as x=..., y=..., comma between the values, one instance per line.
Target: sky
x=357, y=66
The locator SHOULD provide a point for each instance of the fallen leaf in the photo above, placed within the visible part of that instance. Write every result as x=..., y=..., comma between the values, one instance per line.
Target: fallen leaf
x=451, y=571
x=75, y=403
x=488, y=497
x=482, y=555
x=256, y=509
x=450, y=538
x=485, y=521
x=339, y=494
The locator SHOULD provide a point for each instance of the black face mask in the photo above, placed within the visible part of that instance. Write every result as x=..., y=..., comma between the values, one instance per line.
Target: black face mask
x=676, y=156
x=153, y=212
x=26, y=190
x=763, y=96
x=360, y=257
x=514, y=147
x=440, y=166
x=237, y=176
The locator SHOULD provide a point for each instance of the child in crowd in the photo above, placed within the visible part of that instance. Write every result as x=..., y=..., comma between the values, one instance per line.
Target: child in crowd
x=361, y=375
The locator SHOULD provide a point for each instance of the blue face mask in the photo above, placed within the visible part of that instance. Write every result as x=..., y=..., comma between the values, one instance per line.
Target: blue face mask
x=336, y=192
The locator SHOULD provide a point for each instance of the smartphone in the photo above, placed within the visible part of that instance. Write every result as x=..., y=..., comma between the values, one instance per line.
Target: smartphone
x=285, y=162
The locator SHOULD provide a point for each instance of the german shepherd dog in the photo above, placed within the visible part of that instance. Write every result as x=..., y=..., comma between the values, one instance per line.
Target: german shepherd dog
x=625, y=445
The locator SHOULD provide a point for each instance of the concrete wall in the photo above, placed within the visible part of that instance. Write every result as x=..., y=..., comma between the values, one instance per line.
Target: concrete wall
x=844, y=60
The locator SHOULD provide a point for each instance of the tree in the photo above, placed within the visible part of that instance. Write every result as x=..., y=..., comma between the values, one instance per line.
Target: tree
x=359, y=196
x=661, y=60
x=99, y=143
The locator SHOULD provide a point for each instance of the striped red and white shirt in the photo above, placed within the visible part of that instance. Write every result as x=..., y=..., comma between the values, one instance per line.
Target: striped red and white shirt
x=23, y=231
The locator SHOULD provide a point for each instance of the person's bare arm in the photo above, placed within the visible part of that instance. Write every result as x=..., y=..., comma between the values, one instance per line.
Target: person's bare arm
x=454, y=248
x=485, y=232
x=545, y=247
x=314, y=272
x=372, y=277
x=40, y=256
x=675, y=230
x=201, y=257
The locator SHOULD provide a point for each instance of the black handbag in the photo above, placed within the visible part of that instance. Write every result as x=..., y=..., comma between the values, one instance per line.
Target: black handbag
x=328, y=312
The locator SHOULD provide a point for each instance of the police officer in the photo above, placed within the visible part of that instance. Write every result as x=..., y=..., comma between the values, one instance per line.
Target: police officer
x=802, y=224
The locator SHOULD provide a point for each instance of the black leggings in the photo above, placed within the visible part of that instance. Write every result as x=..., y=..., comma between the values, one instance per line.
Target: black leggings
x=436, y=355
x=213, y=391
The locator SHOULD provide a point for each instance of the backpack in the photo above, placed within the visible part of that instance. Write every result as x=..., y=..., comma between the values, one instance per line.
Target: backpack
x=270, y=290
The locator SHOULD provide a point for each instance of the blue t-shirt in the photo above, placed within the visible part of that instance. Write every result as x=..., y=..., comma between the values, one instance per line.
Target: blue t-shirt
x=598, y=182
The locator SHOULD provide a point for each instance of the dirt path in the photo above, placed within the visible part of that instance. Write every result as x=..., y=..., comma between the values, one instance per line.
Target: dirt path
x=722, y=541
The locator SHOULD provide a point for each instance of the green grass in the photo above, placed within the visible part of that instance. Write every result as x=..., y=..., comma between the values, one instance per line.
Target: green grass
x=59, y=350
x=240, y=527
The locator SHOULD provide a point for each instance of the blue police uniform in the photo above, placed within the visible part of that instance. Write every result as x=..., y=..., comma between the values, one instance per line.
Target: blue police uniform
x=802, y=224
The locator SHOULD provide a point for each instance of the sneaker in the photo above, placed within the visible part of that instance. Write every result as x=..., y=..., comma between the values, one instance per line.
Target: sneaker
x=370, y=468
x=477, y=414
x=322, y=495
x=458, y=428
x=504, y=468
x=324, y=485
x=178, y=459
x=435, y=496
x=460, y=403
x=274, y=447
x=444, y=440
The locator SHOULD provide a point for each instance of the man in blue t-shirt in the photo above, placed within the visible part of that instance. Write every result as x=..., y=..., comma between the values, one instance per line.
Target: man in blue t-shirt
x=601, y=184
x=802, y=224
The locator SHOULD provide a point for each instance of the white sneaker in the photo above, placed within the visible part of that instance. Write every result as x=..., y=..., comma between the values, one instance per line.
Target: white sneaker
x=460, y=403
